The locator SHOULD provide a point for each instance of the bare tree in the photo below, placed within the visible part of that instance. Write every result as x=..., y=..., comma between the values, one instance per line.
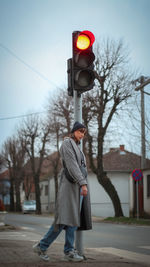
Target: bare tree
x=6, y=161
x=35, y=134
x=61, y=108
x=28, y=181
x=60, y=116
x=113, y=89
x=13, y=154
x=135, y=115
x=1, y=162
x=55, y=131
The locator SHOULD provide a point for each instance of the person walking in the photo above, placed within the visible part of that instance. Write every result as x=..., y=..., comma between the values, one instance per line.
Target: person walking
x=73, y=208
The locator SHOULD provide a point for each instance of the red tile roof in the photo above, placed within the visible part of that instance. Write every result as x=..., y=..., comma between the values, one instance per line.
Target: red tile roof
x=119, y=159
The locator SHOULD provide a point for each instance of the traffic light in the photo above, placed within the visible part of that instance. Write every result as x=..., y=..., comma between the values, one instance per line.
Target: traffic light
x=82, y=71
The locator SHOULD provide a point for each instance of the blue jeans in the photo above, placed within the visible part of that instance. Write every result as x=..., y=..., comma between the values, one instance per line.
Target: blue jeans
x=51, y=235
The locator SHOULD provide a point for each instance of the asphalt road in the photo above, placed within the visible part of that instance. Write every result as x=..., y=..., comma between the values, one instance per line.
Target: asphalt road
x=103, y=235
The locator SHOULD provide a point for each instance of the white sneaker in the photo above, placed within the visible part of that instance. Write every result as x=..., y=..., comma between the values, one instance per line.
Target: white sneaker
x=42, y=254
x=73, y=256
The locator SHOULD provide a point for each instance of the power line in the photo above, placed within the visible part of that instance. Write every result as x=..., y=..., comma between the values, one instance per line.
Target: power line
x=22, y=116
x=32, y=69
x=27, y=65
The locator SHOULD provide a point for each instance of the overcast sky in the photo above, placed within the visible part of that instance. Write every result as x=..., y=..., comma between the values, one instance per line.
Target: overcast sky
x=36, y=41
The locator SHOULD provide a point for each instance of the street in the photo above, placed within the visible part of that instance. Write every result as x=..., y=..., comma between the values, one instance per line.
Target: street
x=106, y=236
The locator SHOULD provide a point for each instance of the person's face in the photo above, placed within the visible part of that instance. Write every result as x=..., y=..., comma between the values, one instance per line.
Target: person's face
x=79, y=134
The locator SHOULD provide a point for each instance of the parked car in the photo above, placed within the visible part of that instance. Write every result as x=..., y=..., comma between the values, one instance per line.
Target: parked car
x=29, y=206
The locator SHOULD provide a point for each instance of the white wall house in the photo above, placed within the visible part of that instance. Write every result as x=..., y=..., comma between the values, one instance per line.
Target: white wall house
x=101, y=203
x=45, y=195
x=47, y=187
x=119, y=164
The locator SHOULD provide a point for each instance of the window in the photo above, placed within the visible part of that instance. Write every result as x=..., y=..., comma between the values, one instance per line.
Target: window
x=148, y=185
x=46, y=190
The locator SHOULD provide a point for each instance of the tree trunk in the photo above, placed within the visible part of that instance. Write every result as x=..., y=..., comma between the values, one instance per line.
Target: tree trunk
x=37, y=194
x=111, y=191
x=18, y=202
x=56, y=186
x=104, y=180
x=12, y=202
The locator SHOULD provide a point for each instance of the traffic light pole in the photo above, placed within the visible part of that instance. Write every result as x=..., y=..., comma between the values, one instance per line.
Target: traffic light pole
x=77, y=107
x=78, y=117
x=80, y=79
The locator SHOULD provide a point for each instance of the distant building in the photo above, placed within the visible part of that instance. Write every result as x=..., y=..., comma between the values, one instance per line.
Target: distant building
x=119, y=164
x=5, y=187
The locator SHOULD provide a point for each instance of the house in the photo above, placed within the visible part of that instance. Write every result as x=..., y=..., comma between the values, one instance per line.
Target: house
x=28, y=187
x=5, y=187
x=47, y=182
x=47, y=187
x=119, y=164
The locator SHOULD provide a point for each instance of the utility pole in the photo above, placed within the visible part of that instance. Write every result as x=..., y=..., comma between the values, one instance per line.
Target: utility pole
x=142, y=81
x=143, y=152
x=143, y=84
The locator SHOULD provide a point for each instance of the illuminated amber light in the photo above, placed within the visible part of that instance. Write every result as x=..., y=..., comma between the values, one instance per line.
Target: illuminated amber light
x=83, y=42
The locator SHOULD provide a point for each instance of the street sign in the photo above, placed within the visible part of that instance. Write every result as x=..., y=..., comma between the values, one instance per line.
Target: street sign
x=137, y=175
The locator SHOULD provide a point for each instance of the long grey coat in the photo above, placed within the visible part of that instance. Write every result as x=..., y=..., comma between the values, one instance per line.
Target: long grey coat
x=68, y=201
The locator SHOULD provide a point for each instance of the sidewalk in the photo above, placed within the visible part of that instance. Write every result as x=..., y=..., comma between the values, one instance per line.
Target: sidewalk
x=16, y=251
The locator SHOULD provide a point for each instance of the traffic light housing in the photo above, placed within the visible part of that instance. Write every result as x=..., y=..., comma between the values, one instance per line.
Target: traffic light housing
x=82, y=71
x=69, y=71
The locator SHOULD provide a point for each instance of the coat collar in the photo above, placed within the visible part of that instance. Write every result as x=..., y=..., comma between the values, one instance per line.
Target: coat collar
x=76, y=149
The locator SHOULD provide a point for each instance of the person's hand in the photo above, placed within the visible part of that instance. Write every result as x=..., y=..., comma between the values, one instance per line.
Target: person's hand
x=84, y=190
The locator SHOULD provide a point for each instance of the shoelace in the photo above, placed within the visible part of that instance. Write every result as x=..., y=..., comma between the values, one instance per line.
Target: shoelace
x=75, y=252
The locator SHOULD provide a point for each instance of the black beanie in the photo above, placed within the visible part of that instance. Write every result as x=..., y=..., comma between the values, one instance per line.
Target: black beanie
x=77, y=125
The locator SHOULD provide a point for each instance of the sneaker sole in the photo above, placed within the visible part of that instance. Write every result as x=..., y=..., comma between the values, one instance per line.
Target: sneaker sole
x=72, y=259
x=44, y=259
x=38, y=252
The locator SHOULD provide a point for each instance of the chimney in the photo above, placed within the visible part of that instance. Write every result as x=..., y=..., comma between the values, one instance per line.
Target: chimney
x=121, y=147
x=112, y=149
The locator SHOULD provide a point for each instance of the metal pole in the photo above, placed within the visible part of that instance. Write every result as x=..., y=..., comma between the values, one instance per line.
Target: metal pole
x=142, y=127
x=77, y=107
x=78, y=117
x=142, y=85
x=49, y=195
x=143, y=82
x=137, y=200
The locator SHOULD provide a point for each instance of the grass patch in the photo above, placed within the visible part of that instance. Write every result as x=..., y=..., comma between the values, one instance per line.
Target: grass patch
x=128, y=220
x=7, y=227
